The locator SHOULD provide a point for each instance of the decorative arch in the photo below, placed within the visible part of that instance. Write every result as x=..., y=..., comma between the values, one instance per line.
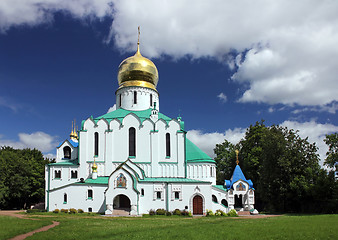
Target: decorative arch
x=197, y=197
x=224, y=203
x=214, y=199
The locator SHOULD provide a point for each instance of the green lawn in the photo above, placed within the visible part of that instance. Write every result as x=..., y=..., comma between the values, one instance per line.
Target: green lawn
x=284, y=227
x=11, y=226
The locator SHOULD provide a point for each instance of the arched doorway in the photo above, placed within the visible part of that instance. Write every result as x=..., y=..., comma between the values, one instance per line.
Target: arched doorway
x=122, y=202
x=238, y=201
x=197, y=205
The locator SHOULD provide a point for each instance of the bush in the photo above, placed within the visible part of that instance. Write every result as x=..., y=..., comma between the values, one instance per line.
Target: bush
x=168, y=213
x=177, y=212
x=152, y=212
x=56, y=211
x=64, y=210
x=232, y=213
x=35, y=210
x=220, y=213
x=72, y=210
x=80, y=211
x=210, y=213
x=160, y=211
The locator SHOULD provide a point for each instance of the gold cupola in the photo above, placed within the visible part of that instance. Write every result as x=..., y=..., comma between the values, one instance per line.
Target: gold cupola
x=137, y=71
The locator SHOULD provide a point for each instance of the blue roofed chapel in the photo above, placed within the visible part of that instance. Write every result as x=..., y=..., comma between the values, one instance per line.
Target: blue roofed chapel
x=134, y=159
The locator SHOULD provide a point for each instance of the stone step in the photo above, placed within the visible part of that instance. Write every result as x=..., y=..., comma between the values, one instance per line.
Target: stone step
x=120, y=212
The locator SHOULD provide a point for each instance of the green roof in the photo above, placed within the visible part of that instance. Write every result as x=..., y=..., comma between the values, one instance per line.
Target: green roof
x=65, y=162
x=221, y=187
x=168, y=179
x=121, y=113
x=98, y=180
x=194, y=154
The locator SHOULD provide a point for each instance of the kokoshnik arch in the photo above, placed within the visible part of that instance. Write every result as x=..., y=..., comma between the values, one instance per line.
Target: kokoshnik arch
x=135, y=159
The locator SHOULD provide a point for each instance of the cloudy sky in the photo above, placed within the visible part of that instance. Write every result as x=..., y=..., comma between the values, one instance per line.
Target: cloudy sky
x=223, y=65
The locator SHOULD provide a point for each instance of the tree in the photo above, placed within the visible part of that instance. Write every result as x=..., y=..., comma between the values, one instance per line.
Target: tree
x=225, y=154
x=22, y=180
x=283, y=167
x=332, y=155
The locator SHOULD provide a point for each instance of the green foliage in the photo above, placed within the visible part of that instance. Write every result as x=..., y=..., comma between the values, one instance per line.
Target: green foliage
x=22, y=181
x=64, y=210
x=80, y=211
x=332, y=155
x=160, y=211
x=168, y=213
x=225, y=155
x=72, y=211
x=210, y=213
x=220, y=213
x=177, y=212
x=56, y=211
x=232, y=213
x=152, y=212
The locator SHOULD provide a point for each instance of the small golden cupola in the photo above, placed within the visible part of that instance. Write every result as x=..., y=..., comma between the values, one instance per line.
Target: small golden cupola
x=73, y=134
x=137, y=71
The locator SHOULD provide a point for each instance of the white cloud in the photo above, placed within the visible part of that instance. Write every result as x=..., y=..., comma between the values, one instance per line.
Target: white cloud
x=113, y=108
x=34, y=12
x=39, y=140
x=315, y=132
x=222, y=97
x=207, y=141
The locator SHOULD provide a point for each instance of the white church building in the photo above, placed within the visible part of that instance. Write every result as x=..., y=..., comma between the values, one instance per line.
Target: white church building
x=135, y=159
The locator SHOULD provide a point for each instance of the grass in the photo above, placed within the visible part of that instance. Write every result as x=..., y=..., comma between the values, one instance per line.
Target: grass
x=11, y=226
x=285, y=227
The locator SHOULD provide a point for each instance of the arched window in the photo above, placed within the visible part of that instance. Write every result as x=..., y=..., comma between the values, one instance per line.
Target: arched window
x=214, y=199
x=66, y=152
x=224, y=203
x=135, y=97
x=167, y=144
x=151, y=100
x=158, y=195
x=65, y=198
x=96, y=144
x=132, y=142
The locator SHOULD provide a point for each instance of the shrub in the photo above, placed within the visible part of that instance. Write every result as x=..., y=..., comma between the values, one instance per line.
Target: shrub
x=210, y=213
x=220, y=213
x=152, y=212
x=35, y=210
x=177, y=212
x=160, y=211
x=168, y=213
x=189, y=214
x=64, y=210
x=80, y=211
x=72, y=210
x=232, y=213
x=56, y=211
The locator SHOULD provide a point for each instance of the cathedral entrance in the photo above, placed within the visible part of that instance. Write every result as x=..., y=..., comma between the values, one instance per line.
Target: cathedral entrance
x=238, y=201
x=197, y=205
x=121, y=202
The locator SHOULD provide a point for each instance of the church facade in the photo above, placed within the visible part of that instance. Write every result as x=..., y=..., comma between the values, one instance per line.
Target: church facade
x=135, y=159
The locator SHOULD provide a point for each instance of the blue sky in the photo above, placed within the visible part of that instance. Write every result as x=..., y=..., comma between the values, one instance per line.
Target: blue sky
x=222, y=66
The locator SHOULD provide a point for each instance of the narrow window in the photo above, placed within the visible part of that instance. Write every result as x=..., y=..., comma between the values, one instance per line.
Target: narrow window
x=74, y=174
x=132, y=142
x=57, y=173
x=158, y=195
x=167, y=144
x=177, y=195
x=65, y=198
x=211, y=172
x=120, y=100
x=151, y=100
x=135, y=97
x=90, y=194
x=96, y=144
x=142, y=192
x=66, y=152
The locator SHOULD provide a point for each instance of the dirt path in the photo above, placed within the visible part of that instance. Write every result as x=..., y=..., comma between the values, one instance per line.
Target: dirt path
x=18, y=215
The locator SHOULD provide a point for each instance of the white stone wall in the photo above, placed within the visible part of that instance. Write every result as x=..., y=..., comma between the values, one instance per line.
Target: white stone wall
x=202, y=171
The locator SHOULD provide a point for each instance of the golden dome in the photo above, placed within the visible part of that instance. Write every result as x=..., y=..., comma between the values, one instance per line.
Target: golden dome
x=137, y=71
